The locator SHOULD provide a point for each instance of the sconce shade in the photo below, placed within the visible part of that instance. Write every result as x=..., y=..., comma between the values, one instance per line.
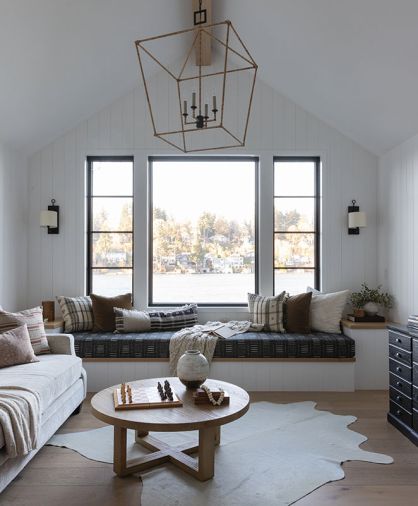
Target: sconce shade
x=49, y=219
x=357, y=220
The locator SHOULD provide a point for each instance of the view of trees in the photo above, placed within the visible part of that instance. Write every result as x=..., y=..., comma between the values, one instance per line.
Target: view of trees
x=293, y=250
x=211, y=244
x=112, y=249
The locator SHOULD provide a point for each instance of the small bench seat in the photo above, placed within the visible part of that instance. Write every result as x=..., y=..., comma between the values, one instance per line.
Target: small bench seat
x=250, y=345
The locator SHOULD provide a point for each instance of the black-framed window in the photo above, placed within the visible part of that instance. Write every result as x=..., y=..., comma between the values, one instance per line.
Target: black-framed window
x=110, y=236
x=296, y=223
x=202, y=230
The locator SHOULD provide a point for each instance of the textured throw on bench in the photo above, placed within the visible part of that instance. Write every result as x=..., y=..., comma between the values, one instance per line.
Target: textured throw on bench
x=204, y=339
x=19, y=419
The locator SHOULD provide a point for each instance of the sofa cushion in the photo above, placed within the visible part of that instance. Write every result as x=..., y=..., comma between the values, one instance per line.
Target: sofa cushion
x=50, y=377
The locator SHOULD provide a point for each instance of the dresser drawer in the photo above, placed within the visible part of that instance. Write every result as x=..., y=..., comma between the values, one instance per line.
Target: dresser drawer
x=415, y=350
x=414, y=397
x=415, y=419
x=401, y=355
x=400, y=384
x=400, y=340
x=415, y=374
x=401, y=370
x=400, y=413
x=400, y=399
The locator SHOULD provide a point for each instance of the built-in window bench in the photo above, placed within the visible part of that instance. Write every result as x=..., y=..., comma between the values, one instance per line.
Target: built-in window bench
x=256, y=361
x=371, y=367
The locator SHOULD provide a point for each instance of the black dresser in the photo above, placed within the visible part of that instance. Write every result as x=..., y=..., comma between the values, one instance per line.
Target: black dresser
x=403, y=380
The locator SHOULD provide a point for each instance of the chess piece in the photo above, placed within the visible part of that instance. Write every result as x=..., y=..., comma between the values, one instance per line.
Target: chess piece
x=168, y=391
x=161, y=392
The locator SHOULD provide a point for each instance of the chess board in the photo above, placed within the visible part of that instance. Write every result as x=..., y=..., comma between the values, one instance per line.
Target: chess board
x=144, y=398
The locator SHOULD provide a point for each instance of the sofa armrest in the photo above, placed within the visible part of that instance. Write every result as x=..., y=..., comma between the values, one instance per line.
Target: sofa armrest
x=61, y=344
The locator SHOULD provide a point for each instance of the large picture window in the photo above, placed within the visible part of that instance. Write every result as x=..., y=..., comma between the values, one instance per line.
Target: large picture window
x=202, y=230
x=296, y=223
x=109, y=225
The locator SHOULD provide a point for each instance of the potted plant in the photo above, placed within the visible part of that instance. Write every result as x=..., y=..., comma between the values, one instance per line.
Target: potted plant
x=369, y=299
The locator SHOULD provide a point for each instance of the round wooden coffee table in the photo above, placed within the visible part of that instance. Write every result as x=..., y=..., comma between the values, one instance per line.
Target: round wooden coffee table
x=206, y=419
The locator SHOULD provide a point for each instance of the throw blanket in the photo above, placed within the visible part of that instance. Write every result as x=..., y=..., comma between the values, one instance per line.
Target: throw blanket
x=204, y=338
x=19, y=419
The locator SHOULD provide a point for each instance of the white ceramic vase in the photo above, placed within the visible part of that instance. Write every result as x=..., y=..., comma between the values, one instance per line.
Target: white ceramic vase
x=371, y=308
x=192, y=369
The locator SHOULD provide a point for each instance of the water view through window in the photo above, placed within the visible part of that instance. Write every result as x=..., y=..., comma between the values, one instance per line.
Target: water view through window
x=203, y=230
x=296, y=224
x=110, y=216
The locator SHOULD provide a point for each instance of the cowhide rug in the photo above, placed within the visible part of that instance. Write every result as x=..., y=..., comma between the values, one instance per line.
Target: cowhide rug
x=274, y=455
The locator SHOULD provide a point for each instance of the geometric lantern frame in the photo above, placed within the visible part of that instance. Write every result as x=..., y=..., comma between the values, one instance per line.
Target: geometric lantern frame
x=195, y=129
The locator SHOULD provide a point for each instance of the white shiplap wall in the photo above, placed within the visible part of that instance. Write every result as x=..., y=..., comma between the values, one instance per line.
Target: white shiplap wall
x=13, y=229
x=398, y=219
x=277, y=127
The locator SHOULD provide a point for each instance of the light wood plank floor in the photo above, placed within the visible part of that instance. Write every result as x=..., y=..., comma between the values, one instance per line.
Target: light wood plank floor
x=60, y=477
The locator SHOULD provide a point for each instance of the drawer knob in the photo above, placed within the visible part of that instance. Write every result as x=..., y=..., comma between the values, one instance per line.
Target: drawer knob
x=399, y=384
x=399, y=369
x=399, y=355
x=398, y=412
x=398, y=340
x=398, y=397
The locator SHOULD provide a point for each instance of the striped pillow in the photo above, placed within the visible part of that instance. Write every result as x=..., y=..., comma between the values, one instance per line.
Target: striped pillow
x=268, y=311
x=34, y=320
x=77, y=313
x=174, y=319
x=133, y=320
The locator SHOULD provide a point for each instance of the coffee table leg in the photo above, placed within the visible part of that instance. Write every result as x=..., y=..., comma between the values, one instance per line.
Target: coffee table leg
x=207, y=441
x=218, y=436
x=119, y=451
x=203, y=469
x=140, y=434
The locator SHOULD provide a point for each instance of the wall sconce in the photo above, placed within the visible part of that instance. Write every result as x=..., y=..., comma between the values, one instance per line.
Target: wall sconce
x=50, y=218
x=356, y=219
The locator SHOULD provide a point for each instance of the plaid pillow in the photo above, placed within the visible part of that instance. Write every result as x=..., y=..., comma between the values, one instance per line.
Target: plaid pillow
x=77, y=313
x=268, y=311
x=34, y=320
x=174, y=319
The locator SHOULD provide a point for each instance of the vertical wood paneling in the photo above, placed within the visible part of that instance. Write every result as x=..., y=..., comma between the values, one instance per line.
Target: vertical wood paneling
x=277, y=127
x=13, y=229
x=398, y=191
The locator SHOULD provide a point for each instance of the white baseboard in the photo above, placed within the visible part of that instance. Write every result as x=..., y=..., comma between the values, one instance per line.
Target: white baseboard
x=253, y=376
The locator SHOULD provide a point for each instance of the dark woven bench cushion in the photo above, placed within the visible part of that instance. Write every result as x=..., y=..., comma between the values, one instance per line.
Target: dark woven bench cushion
x=248, y=345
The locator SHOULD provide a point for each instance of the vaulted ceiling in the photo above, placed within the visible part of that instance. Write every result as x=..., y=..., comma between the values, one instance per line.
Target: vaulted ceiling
x=352, y=63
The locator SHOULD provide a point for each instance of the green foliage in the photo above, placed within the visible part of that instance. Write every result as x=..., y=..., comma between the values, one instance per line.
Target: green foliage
x=366, y=294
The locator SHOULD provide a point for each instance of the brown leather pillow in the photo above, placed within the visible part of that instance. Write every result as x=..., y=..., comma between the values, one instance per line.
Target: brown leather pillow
x=16, y=348
x=297, y=313
x=103, y=314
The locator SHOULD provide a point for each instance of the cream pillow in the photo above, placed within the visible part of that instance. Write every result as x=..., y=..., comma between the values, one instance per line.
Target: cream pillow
x=131, y=320
x=327, y=310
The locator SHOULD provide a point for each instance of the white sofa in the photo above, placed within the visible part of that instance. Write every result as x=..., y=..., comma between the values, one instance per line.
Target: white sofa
x=61, y=382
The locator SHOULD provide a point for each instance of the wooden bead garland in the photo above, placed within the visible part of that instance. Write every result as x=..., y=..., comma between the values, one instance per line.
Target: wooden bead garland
x=210, y=395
